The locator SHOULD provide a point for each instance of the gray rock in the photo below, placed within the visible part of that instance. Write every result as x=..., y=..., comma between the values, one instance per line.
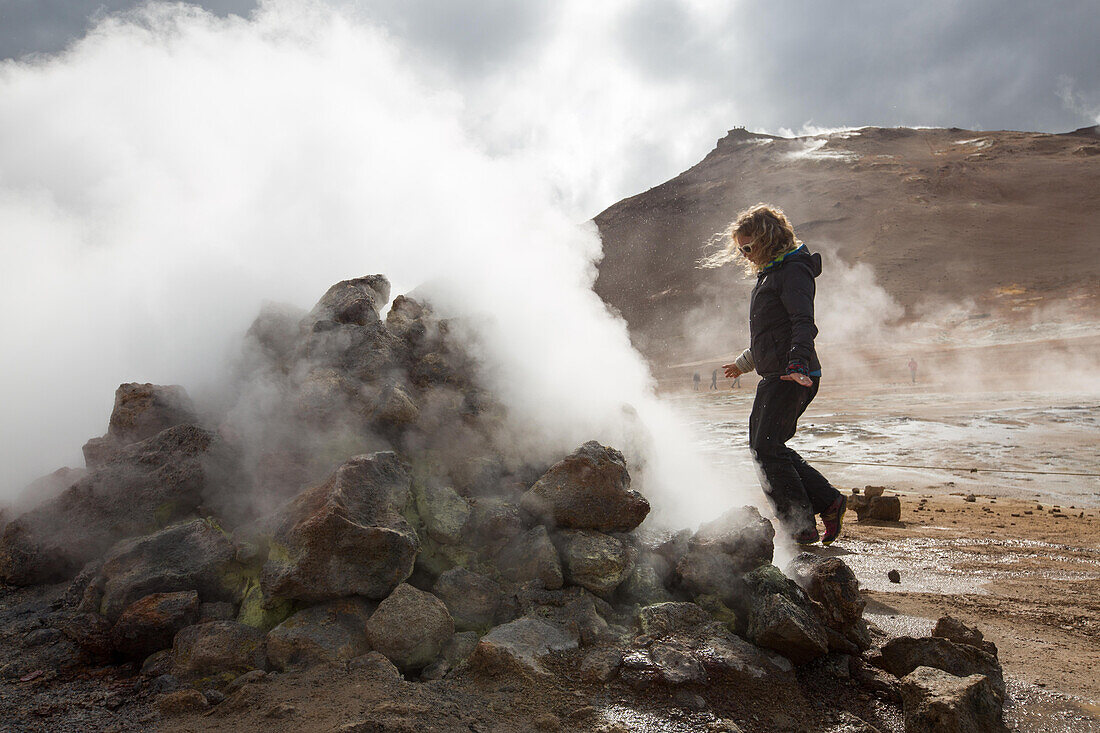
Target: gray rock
x=729, y=657
x=594, y=560
x=521, y=643
x=831, y=583
x=216, y=647
x=252, y=676
x=331, y=632
x=182, y=702
x=589, y=489
x=778, y=623
x=493, y=524
x=721, y=551
x=904, y=654
x=443, y=512
x=163, y=684
x=150, y=624
x=193, y=556
x=665, y=618
x=675, y=663
x=346, y=536
x=938, y=702
x=147, y=485
x=573, y=608
x=43, y=489
x=410, y=628
x=532, y=556
x=472, y=599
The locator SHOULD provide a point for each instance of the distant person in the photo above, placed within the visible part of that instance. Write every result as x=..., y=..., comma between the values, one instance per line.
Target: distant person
x=695, y=379
x=736, y=382
x=714, y=379
x=913, y=369
x=782, y=332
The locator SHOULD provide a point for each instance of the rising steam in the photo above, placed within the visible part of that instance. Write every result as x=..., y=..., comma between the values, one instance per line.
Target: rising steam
x=172, y=170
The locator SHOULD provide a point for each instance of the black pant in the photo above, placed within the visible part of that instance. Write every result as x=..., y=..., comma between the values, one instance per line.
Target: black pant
x=796, y=490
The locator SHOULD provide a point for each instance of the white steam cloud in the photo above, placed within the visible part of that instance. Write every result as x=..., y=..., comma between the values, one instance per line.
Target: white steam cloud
x=172, y=170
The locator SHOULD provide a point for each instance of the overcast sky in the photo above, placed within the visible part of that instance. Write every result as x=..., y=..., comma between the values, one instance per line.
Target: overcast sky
x=987, y=64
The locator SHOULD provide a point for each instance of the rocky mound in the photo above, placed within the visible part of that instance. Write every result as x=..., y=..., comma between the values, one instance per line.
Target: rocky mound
x=372, y=521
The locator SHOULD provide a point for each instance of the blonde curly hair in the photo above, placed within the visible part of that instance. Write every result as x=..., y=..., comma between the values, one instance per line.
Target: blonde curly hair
x=769, y=232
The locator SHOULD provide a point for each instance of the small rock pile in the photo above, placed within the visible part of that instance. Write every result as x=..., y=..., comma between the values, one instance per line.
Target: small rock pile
x=404, y=541
x=875, y=504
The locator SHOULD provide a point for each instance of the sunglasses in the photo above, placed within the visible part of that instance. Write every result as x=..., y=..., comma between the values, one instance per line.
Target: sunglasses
x=745, y=249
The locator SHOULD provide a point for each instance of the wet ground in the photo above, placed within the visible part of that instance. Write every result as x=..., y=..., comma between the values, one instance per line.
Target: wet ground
x=1017, y=554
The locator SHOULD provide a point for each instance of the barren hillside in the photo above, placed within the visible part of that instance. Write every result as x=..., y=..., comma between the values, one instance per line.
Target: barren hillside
x=1008, y=220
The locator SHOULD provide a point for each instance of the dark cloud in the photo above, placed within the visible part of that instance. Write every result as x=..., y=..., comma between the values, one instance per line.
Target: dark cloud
x=47, y=26
x=984, y=64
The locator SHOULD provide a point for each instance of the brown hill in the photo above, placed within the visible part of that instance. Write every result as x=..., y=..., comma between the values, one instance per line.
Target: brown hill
x=1001, y=221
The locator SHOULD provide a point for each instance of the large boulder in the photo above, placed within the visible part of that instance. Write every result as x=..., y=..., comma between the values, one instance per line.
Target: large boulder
x=532, y=557
x=594, y=560
x=141, y=411
x=472, y=599
x=217, y=647
x=831, y=583
x=722, y=550
x=669, y=661
x=648, y=583
x=193, y=556
x=588, y=489
x=42, y=489
x=935, y=701
x=331, y=632
x=902, y=655
x=149, y=624
x=410, y=628
x=344, y=537
x=145, y=486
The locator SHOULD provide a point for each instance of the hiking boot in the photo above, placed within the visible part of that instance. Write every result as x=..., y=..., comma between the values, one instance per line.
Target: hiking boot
x=806, y=536
x=833, y=518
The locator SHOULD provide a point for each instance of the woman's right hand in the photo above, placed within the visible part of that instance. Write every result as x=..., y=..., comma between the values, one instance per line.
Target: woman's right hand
x=731, y=370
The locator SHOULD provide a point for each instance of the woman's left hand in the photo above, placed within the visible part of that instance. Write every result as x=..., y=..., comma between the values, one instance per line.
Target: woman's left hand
x=800, y=378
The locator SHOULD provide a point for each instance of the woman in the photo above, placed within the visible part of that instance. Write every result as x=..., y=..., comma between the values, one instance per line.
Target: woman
x=781, y=350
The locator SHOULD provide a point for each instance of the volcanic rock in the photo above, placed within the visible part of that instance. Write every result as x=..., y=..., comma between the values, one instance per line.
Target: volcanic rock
x=646, y=585
x=42, y=489
x=472, y=599
x=150, y=624
x=666, y=618
x=356, y=302
x=376, y=664
x=902, y=655
x=722, y=550
x=91, y=632
x=938, y=702
x=148, y=484
x=958, y=632
x=831, y=583
x=520, y=643
x=345, y=536
x=217, y=647
x=443, y=512
x=532, y=556
x=331, y=632
x=410, y=627
x=778, y=623
x=594, y=560
x=493, y=524
x=194, y=556
x=588, y=489
x=600, y=665
x=673, y=662
x=141, y=411
x=575, y=609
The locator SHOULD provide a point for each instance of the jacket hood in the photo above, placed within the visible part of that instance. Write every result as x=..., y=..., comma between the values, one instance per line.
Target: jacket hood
x=802, y=255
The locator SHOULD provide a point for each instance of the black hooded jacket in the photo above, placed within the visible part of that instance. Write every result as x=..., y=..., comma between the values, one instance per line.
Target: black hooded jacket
x=781, y=315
